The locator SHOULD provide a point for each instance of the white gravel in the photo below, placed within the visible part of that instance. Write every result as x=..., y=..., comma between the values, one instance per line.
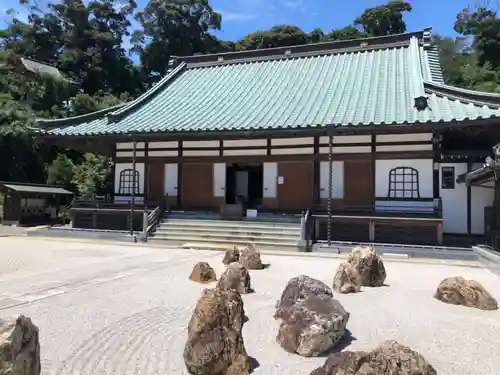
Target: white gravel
x=109, y=309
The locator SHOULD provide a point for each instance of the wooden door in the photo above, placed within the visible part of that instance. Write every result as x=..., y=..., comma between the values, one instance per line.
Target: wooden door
x=155, y=181
x=296, y=191
x=197, y=185
x=358, y=183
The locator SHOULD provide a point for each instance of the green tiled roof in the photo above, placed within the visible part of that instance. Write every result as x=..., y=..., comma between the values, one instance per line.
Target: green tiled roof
x=39, y=189
x=352, y=83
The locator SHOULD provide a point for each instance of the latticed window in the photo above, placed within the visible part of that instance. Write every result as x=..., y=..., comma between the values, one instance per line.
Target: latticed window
x=129, y=182
x=403, y=183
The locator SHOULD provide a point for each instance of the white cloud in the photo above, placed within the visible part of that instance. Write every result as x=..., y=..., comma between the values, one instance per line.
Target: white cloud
x=294, y=4
x=235, y=16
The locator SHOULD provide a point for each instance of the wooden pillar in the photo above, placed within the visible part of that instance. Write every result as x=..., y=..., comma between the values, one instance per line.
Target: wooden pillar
x=436, y=158
x=179, y=175
x=373, y=163
x=316, y=172
x=146, y=173
x=469, y=201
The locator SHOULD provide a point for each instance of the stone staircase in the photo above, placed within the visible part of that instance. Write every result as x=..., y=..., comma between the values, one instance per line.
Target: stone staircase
x=204, y=230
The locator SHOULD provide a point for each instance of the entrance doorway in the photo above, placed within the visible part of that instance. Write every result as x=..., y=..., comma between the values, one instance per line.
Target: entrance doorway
x=244, y=184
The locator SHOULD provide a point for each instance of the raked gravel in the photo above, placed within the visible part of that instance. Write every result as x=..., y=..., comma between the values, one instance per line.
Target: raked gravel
x=110, y=309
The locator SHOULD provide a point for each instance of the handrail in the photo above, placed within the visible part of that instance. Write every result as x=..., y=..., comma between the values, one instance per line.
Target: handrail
x=306, y=229
x=153, y=218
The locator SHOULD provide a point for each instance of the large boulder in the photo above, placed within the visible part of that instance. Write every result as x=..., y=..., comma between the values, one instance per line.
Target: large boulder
x=389, y=358
x=313, y=326
x=19, y=347
x=215, y=341
x=250, y=257
x=312, y=321
x=369, y=266
x=235, y=277
x=202, y=273
x=300, y=288
x=459, y=291
x=231, y=255
x=347, y=279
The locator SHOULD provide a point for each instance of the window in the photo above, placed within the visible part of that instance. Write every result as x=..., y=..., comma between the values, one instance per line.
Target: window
x=129, y=182
x=403, y=183
x=447, y=177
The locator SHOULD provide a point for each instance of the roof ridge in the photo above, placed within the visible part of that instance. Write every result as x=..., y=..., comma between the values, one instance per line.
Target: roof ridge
x=69, y=120
x=148, y=94
x=416, y=68
x=458, y=93
x=376, y=42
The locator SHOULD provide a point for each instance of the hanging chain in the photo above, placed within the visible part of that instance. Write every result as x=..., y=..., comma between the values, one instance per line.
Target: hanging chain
x=134, y=183
x=330, y=187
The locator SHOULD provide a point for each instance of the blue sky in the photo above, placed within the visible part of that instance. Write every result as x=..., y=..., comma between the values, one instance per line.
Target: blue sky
x=240, y=17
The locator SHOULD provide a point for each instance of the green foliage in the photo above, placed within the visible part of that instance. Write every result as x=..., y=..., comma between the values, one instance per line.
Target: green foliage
x=277, y=36
x=93, y=176
x=171, y=27
x=61, y=172
x=384, y=19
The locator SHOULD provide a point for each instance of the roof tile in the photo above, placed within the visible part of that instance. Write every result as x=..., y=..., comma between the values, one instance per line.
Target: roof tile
x=362, y=87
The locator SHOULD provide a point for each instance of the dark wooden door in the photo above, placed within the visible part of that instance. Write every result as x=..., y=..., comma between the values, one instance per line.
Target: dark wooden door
x=197, y=185
x=156, y=181
x=297, y=191
x=358, y=183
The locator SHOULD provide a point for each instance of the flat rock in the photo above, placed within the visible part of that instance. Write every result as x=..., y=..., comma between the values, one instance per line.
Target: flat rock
x=19, y=347
x=369, y=266
x=347, y=279
x=389, y=358
x=469, y=293
x=250, y=257
x=231, y=255
x=202, y=273
x=313, y=326
x=235, y=277
x=215, y=342
x=300, y=288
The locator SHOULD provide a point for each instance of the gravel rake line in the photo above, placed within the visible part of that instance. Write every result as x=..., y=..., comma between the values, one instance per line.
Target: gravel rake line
x=178, y=261
x=121, y=344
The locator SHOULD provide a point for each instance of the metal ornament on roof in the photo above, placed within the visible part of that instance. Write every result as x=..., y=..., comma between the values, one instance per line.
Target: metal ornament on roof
x=421, y=103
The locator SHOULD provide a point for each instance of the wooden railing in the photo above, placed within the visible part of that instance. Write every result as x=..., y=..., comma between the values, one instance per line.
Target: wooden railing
x=384, y=207
x=154, y=218
x=397, y=221
x=103, y=214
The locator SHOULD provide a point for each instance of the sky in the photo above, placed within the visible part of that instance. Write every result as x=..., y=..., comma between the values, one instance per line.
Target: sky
x=239, y=17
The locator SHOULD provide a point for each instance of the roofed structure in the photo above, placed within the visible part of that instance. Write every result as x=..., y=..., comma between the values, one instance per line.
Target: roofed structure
x=372, y=81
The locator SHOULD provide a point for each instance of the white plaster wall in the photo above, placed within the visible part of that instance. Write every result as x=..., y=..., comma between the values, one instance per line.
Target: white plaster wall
x=337, y=179
x=454, y=202
x=481, y=197
x=423, y=166
x=120, y=167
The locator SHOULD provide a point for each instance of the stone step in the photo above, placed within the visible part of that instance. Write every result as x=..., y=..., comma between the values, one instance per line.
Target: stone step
x=293, y=219
x=228, y=237
x=259, y=243
x=280, y=232
x=227, y=223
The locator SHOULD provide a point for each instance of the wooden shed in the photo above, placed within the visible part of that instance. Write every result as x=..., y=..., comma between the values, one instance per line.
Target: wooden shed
x=33, y=204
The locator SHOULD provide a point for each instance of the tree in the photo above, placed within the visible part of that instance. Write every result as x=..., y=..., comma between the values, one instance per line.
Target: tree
x=93, y=176
x=384, y=19
x=483, y=25
x=278, y=36
x=345, y=33
x=61, y=172
x=170, y=27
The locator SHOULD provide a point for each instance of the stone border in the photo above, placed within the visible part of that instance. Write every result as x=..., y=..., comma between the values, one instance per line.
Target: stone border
x=489, y=258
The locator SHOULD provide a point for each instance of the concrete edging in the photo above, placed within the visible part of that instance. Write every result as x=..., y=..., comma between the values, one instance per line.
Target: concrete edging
x=490, y=259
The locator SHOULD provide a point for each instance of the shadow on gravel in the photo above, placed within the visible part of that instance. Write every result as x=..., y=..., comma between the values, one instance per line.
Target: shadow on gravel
x=254, y=364
x=343, y=344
